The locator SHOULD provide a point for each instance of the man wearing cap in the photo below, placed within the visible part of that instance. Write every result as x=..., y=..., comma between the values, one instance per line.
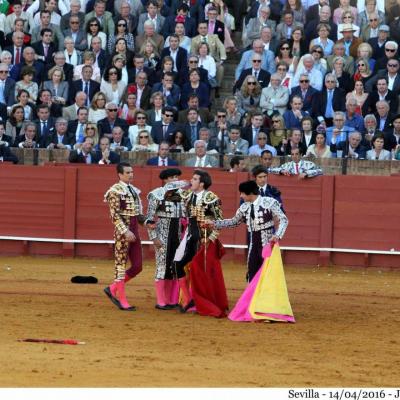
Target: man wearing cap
x=260, y=214
x=167, y=205
x=350, y=42
x=378, y=43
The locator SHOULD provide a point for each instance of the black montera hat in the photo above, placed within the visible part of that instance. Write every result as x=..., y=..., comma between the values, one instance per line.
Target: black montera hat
x=166, y=173
x=248, y=187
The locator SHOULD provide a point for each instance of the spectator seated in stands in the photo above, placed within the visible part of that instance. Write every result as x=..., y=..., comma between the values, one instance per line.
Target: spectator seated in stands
x=178, y=142
x=60, y=138
x=144, y=142
x=319, y=149
x=211, y=142
x=295, y=115
x=261, y=145
x=201, y=158
x=195, y=86
x=378, y=152
x=77, y=126
x=171, y=92
x=92, y=132
x=105, y=155
x=301, y=168
x=28, y=139
x=294, y=141
x=249, y=95
x=274, y=97
x=70, y=113
x=84, y=155
x=142, y=123
x=351, y=148
x=162, y=160
x=338, y=128
x=234, y=144
x=162, y=130
x=5, y=144
x=118, y=141
x=106, y=125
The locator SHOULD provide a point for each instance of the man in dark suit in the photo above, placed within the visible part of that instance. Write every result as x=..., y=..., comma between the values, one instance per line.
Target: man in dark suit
x=305, y=91
x=205, y=116
x=60, y=60
x=324, y=16
x=45, y=123
x=29, y=59
x=138, y=66
x=392, y=135
x=124, y=12
x=17, y=48
x=182, y=17
x=5, y=140
x=179, y=54
x=164, y=129
x=251, y=131
x=77, y=127
x=183, y=76
x=378, y=43
x=351, y=149
x=118, y=141
x=192, y=126
x=84, y=155
x=162, y=160
x=75, y=12
x=142, y=90
x=105, y=155
x=87, y=85
x=79, y=35
x=45, y=48
x=214, y=25
x=60, y=138
x=260, y=74
x=391, y=71
x=169, y=89
x=7, y=86
x=329, y=100
x=314, y=10
x=274, y=5
x=383, y=116
x=382, y=93
x=107, y=124
x=100, y=54
x=296, y=113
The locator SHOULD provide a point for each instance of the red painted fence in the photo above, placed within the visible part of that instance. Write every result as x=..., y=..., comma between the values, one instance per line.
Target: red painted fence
x=66, y=201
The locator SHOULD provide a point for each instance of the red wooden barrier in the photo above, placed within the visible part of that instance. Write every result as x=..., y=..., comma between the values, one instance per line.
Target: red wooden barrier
x=66, y=201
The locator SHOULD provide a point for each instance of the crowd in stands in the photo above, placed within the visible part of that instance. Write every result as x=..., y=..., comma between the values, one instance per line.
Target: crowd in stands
x=98, y=77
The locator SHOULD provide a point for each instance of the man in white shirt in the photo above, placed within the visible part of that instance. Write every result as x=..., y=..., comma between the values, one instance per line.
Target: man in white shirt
x=315, y=75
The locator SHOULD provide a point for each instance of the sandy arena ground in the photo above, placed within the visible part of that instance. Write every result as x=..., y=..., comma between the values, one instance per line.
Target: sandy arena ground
x=347, y=331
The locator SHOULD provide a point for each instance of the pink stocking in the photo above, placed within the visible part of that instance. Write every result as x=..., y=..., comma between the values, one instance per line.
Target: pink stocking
x=160, y=292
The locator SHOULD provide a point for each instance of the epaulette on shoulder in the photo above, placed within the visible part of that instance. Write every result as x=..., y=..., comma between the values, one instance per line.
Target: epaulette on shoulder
x=158, y=194
x=210, y=197
x=185, y=194
x=117, y=188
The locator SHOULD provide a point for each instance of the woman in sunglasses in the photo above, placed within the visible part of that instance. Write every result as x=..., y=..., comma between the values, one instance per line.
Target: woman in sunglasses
x=285, y=54
x=90, y=131
x=144, y=142
x=112, y=85
x=94, y=29
x=121, y=31
x=140, y=118
x=363, y=71
x=249, y=95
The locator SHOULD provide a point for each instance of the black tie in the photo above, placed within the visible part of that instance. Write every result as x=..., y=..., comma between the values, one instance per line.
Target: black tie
x=251, y=101
x=194, y=199
x=131, y=191
x=252, y=215
x=262, y=192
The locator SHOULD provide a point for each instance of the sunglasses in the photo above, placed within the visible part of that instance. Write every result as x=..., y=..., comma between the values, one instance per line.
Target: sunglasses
x=329, y=81
x=221, y=116
x=140, y=117
x=373, y=19
x=304, y=80
x=251, y=83
x=257, y=61
x=193, y=61
x=113, y=73
x=143, y=137
x=169, y=115
x=112, y=109
x=361, y=65
x=94, y=25
x=317, y=51
x=262, y=138
x=124, y=25
x=285, y=48
x=391, y=50
x=90, y=128
x=393, y=65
